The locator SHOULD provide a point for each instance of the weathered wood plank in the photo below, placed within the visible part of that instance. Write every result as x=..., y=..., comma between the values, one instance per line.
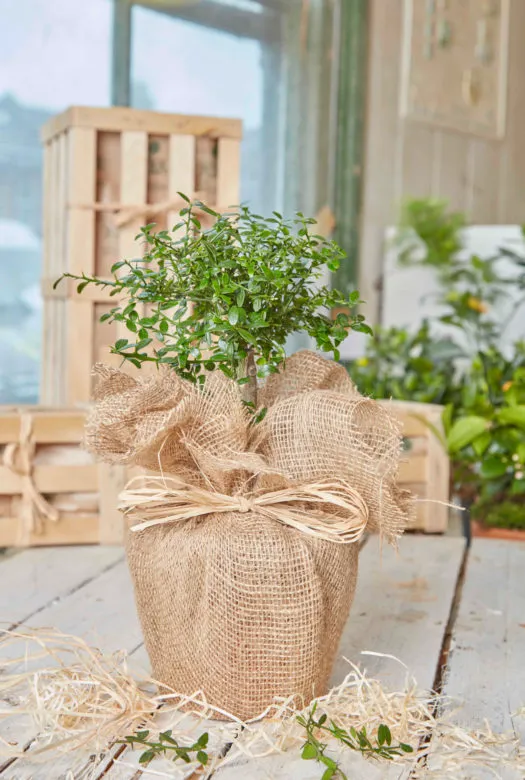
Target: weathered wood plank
x=103, y=612
x=485, y=666
x=402, y=606
x=38, y=577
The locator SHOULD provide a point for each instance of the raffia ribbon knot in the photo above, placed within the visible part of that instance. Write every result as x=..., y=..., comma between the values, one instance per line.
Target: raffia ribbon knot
x=18, y=458
x=331, y=510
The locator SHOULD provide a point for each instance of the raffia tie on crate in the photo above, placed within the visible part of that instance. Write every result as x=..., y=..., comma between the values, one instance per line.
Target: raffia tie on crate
x=124, y=213
x=18, y=458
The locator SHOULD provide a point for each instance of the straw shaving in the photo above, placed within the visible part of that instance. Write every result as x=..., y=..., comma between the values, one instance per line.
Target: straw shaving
x=84, y=701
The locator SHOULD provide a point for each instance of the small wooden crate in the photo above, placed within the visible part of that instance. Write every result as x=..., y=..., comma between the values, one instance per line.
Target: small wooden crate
x=51, y=491
x=107, y=172
x=425, y=469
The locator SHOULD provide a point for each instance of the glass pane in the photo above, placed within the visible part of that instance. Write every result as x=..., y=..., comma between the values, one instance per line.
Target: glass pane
x=188, y=68
x=53, y=54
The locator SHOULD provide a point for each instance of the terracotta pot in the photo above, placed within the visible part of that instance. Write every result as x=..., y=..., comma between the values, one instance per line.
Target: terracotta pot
x=489, y=532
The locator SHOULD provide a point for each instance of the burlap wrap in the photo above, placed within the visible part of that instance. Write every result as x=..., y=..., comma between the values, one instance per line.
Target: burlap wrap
x=236, y=604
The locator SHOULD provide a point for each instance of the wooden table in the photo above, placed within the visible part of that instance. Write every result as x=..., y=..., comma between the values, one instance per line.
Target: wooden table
x=435, y=600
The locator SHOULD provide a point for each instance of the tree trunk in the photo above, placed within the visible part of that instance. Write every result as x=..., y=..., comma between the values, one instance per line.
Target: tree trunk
x=249, y=369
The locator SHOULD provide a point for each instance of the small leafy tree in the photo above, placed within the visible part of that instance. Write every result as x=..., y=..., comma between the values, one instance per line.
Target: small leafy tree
x=228, y=297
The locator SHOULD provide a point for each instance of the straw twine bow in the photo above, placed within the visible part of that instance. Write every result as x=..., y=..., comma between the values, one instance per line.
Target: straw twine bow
x=126, y=213
x=18, y=458
x=169, y=500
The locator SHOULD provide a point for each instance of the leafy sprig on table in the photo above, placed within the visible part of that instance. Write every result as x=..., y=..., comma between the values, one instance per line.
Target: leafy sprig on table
x=313, y=748
x=167, y=745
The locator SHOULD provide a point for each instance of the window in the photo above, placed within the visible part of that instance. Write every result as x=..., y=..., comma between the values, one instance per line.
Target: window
x=53, y=54
x=269, y=62
x=187, y=68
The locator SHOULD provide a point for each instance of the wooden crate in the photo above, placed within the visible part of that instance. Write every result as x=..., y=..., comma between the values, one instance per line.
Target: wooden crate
x=107, y=171
x=425, y=468
x=51, y=491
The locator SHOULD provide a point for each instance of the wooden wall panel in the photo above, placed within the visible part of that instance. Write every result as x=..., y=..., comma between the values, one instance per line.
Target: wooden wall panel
x=483, y=177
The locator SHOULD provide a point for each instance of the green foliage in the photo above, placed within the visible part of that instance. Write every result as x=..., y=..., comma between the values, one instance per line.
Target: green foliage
x=167, y=745
x=456, y=358
x=315, y=749
x=428, y=222
x=406, y=366
x=500, y=513
x=227, y=298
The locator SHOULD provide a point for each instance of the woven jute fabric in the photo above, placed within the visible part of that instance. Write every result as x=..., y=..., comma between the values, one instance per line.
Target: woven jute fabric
x=236, y=604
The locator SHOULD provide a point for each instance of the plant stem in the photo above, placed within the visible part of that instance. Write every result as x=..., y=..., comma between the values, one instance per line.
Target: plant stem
x=249, y=369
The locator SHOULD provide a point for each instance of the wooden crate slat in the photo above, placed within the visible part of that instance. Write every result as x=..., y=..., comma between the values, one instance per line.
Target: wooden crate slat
x=426, y=467
x=181, y=172
x=70, y=529
x=52, y=479
x=414, y=469
x=111, y=481
x=119, y=119
x=228, y=172
x=48, y=427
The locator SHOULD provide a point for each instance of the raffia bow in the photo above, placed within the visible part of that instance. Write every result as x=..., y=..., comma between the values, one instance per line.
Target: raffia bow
x=18, y=458
x=342, y=517
x=126, y=213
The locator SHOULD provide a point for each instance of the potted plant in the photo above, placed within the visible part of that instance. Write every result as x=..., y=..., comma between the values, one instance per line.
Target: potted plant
x=243, y=550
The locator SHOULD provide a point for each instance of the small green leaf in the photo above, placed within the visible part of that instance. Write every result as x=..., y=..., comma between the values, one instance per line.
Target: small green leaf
x=120, y=344
x=202, y=757
x=146, y=756
x=203, y=740
x=328, y=774
x=164, y=326
x=464, y=431
x=384, y=736
x=493, y=467
x=82, y=286
x=512, y=415
x=247, y=336
x=233, y=315
x=309, y=752
x=406, y=748
x=241, y=295
x=481, y=444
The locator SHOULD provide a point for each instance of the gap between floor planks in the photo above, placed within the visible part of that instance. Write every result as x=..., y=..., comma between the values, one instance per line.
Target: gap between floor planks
x=485, y=672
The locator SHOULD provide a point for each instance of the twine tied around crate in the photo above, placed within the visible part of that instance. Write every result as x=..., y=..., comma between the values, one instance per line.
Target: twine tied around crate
x=124, y=213
x=330, y=510
x=18, y=458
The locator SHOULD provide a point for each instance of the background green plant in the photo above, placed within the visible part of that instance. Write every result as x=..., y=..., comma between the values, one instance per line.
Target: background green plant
x=456, y=357
x=227, y=298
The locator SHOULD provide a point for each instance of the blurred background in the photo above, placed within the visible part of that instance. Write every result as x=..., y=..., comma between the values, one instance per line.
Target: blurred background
x=351, y=104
